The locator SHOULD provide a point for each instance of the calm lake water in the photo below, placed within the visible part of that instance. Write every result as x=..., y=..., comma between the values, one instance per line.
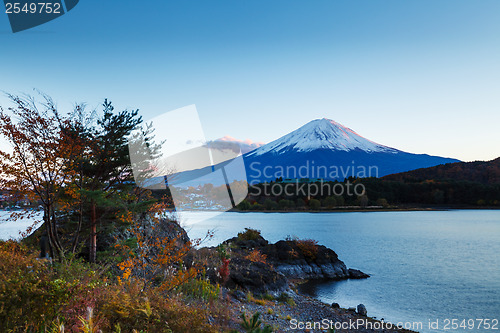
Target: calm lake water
x=424, y=266
x=12, y=229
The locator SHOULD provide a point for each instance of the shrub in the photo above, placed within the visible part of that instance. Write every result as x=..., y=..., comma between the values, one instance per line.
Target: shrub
x=257, y=206
x=285, y=204
x=260, y=300
x=382, y=202
x=35, y=295
x=223, y=270
x=314, y=204
x=201, y=288
x=270, y=204
x=300, y=203
x=256, y=256
x=285, y=298
x=340, y=200
x=253, y=325
x=244, y=205
x=130, y=306
x=249, y=234
x=329, y=202
x=222, y=251
x=267, y=297
x=308, y=247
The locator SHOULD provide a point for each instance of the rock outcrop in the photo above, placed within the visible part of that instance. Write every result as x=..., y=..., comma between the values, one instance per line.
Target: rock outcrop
x=303, y=259
x=257, y=277
x=292, y=259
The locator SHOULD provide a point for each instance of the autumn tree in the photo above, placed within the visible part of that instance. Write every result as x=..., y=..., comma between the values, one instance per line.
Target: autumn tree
x=36, y=166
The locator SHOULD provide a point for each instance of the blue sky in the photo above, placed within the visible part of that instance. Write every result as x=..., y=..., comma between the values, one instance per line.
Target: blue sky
x=421, y=76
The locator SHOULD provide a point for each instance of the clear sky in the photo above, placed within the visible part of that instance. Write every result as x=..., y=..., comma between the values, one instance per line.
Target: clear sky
x=421, y=76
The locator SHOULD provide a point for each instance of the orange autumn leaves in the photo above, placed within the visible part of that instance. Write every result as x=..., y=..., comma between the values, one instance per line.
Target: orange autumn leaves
x=155, y=258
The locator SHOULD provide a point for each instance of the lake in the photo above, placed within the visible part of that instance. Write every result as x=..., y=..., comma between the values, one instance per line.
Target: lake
x=12, y=229
x=424, y=266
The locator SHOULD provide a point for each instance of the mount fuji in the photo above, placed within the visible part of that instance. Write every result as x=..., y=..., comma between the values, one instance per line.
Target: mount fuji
x=325, y=149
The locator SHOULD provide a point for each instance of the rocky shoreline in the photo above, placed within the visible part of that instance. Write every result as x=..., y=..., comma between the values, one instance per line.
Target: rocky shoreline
x=262, y=278
x=305, y=314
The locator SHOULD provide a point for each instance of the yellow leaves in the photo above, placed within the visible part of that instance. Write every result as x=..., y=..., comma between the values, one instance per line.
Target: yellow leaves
x=127, y=273
x=148, y=311
x=88, y=324
x=181, y=277
x=126, y=267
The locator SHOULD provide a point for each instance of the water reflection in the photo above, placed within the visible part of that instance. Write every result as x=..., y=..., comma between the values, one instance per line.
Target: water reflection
x=317, y=288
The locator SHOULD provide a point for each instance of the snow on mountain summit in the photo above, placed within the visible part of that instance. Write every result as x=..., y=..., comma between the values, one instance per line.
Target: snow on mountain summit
x=322, y=134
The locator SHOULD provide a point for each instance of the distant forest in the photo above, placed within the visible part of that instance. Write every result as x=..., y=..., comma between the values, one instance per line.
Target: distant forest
x=462, y=184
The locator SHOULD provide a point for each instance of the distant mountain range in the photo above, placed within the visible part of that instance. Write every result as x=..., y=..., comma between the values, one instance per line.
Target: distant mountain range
x=477, y=172
x=325, y=149
x=321, y=149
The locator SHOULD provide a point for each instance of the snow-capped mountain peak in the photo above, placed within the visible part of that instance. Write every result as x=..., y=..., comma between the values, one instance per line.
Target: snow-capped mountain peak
x=322, y=134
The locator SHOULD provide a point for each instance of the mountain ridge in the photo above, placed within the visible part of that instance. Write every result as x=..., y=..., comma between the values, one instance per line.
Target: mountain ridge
x=484, y=172
x=320, y=149
x=333, y=146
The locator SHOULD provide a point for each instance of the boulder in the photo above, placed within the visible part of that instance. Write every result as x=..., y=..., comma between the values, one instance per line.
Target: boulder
x=257, y=277
x=361, y=310
x=239, y=295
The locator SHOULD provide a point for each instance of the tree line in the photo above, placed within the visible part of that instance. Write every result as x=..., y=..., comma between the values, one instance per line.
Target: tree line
x=381, y=192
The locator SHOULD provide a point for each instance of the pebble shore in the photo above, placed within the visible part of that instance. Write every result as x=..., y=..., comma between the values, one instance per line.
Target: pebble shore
x=304, y=310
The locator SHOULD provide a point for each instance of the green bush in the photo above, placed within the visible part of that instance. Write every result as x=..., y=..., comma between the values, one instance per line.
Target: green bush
x=382, y=202
x=201, y=288
x=329, y=202
x=270, y=204
x=285, y=298
x=39, y=296
x=34, y=294
x=249, y=234
x=300, y=203
x=257, y=206
x=285, y=204
x=244, y=205
x=253, y=325
x=314, y=204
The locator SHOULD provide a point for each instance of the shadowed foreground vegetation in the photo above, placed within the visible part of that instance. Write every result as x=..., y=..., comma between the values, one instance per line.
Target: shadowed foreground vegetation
x=77, y=296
